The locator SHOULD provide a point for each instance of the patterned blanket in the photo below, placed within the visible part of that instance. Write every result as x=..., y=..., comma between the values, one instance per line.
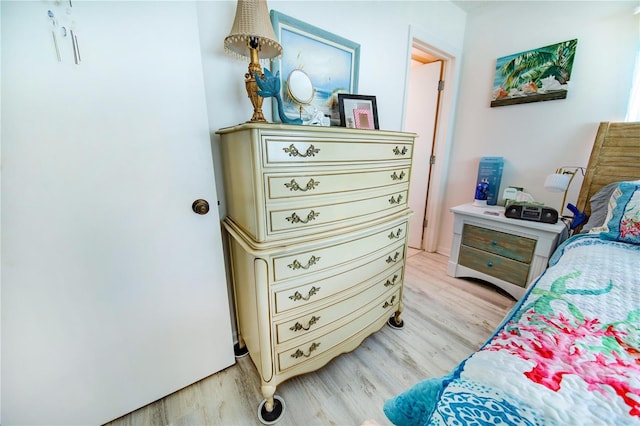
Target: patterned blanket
x=567, y=354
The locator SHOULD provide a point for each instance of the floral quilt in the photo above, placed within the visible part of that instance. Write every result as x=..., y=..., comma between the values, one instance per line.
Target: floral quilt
x=567, y=354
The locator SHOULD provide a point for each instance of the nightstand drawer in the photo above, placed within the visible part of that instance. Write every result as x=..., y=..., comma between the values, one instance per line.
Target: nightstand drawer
x=287, y=186
x=507, y=245
x=492, y=264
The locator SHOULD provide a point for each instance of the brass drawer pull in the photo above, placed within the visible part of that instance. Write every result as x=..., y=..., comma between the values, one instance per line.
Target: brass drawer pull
x=297, y=354
x=297, y=296
x=297, y=265
x=391, y=282
x=297, y=327
x=293, y=151
x=397, y=151
x=395, y=176
x=393, y=200
x=294, y=218
x=394, y=258
x=389, y=303
x=294, y=186
x=396, y=235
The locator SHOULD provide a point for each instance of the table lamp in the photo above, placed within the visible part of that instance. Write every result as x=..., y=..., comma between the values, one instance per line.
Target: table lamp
x=560, y=181
x=252, y=37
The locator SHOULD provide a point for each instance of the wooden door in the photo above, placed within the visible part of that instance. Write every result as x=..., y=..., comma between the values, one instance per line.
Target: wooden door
x=422, y=105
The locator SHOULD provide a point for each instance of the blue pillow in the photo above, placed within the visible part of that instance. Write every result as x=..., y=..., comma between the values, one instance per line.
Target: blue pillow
x=416, y=405
x=623, y=217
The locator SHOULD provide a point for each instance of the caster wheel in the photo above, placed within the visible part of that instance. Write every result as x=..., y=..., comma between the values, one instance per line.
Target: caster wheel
x=269, y=418
x=240, y=352
x=393, y=324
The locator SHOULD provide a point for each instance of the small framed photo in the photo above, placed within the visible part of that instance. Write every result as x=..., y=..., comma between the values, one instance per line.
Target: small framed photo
x=358, y=111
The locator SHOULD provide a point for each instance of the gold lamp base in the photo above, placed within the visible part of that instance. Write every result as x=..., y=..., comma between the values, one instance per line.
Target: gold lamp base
x=252, y=87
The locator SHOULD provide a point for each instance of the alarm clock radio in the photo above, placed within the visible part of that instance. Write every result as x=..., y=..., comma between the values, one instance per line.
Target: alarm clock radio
x=534, y=213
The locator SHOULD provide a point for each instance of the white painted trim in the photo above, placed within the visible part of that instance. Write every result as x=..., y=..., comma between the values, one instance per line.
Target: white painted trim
x=451, y=56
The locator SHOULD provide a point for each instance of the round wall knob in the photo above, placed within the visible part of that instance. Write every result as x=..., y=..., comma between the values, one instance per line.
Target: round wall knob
x=200, y=206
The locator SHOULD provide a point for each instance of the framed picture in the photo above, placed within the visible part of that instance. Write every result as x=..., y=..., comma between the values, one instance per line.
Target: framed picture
x=331, y=62
x=534, y=75
x=358, y=111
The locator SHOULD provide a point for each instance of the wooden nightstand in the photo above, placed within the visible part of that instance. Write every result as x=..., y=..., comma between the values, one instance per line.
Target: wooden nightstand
x=509, y=253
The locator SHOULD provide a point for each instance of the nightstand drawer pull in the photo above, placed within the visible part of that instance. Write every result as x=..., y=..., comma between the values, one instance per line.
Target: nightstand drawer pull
x=395, y=235
x=397, y=150
x=490, y=264
x=493, y=243
x=294, y=218
x=293, y=151
x=393, y=200
x=297, y=296
x=394, y=258
x=391, y=282
x=297, y=326
x=297, y=265
x=395, y=176
x=389, y=303
x=294, y=186
x=299, y=353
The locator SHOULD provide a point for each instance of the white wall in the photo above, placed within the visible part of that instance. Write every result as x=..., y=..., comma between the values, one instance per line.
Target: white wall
x=537, y=138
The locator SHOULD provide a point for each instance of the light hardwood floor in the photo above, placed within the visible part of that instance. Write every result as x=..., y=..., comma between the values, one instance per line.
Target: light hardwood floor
x=445, y=320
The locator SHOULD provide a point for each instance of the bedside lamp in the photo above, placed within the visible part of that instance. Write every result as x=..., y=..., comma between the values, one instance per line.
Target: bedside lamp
x=561, y=180
x=252, y=37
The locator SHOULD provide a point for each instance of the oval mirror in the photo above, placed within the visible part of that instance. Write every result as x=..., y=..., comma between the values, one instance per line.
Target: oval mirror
x=300, y=87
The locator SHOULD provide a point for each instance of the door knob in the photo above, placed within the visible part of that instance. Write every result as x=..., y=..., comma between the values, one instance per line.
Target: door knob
x=200, y=206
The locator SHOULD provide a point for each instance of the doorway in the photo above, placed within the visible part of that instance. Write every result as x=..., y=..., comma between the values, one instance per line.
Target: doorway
x=432, y=77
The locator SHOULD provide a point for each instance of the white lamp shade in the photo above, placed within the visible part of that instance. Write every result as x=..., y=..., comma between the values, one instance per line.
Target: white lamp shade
x=557, y=182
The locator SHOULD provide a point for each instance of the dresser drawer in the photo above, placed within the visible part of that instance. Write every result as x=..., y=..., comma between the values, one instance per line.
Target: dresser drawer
x=284, y=151
x=312, y=261
x=286, y=186
x=492, y=264
x=321, y=290
x=500, y=243
x=351, y=326
x=326, y=316
x=287, y=219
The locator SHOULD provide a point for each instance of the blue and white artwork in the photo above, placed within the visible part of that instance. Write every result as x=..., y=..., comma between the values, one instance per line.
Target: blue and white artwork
x=330, y=61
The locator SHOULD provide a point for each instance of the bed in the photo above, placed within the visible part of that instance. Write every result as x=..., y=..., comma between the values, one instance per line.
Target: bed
x=569, y=351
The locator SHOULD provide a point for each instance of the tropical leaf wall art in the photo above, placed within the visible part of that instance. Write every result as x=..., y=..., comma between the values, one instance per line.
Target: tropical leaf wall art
x=541, y=74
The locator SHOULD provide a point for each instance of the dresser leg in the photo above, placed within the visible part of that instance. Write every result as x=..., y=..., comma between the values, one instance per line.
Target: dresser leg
x=395, y=321
x=240, y=349
x=272, y=407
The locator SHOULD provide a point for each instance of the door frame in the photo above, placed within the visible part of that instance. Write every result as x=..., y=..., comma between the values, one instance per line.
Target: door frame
x=443, y=133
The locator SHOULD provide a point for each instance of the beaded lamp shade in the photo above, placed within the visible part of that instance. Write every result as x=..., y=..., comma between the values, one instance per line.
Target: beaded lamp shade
x=252, y=24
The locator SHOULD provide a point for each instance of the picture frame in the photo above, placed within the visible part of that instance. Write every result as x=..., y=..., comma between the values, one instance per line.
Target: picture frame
x=331, y=62
x=358, y=111
x=534, y=75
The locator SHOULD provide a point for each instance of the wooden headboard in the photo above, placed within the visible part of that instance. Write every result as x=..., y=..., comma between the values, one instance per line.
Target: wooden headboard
x=615, y=157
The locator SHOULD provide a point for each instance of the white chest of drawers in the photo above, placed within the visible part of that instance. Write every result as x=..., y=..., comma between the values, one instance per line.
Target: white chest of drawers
x=317, y=225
